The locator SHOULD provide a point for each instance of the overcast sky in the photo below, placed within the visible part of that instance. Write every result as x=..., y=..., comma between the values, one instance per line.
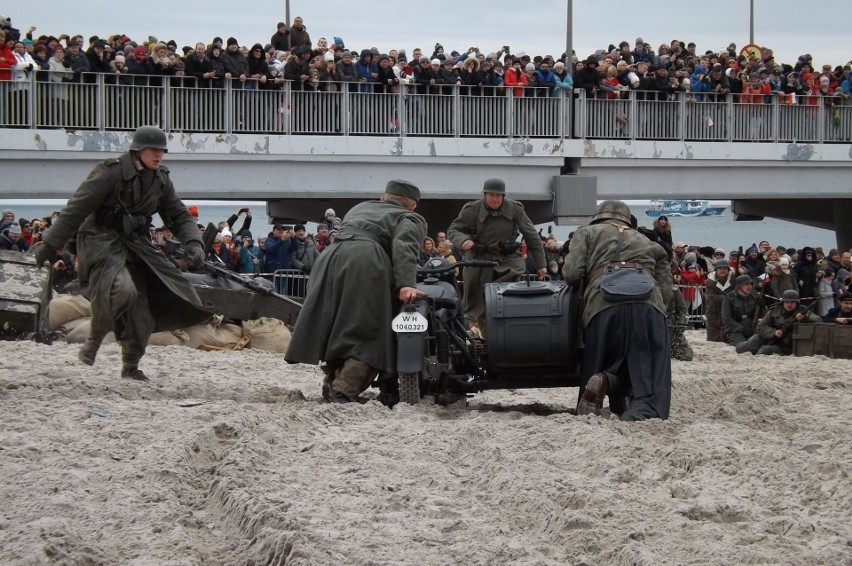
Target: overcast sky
x=790, y=27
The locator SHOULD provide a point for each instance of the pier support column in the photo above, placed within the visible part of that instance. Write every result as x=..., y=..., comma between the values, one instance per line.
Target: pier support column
x=843, y=224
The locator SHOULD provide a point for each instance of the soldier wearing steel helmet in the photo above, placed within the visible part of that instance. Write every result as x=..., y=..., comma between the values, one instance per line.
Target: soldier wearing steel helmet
x=741, y=308
x=134, y=290
x=774, y=333
x=487, y=229
x=627, y=344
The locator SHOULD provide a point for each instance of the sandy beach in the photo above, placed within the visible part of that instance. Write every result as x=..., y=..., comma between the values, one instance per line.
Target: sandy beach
x=233, y=458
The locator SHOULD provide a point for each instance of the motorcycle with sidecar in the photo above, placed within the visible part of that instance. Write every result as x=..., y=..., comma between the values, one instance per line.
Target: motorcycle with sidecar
x=532, y=330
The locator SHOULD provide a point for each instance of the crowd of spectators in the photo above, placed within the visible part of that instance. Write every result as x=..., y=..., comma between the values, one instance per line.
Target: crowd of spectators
x=292, y=56
x=703, y=275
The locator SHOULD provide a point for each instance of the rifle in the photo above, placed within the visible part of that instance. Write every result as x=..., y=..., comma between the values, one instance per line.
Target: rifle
x=173, y=247
x=789, y=326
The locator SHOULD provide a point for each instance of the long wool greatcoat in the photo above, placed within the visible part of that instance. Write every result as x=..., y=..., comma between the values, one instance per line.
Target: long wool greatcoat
x=352, y=294
x=103, y=251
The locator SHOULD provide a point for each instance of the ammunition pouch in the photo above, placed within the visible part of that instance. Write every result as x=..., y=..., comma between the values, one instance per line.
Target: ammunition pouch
x=507, y=247
x=124, y=224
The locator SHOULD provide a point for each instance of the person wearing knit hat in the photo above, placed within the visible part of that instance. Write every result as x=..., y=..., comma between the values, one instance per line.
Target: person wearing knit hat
x=781, y=277
x=356, y=343
x=12, y=239
x=719, y=282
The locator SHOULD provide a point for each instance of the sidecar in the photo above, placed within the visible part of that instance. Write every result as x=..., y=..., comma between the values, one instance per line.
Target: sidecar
x=532, y=330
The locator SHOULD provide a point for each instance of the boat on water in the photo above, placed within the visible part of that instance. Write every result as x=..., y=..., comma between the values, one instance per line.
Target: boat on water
x=683, y=208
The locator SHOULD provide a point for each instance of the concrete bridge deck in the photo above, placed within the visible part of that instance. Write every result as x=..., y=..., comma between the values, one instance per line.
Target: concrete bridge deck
x=559, y=159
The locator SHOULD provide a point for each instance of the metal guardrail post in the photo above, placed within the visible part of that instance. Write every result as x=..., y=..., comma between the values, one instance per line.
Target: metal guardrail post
x=821, y=121
x=165, y=105
x=510, y=113
x=31, y=98
x=456, y=121
x=288, y=107
x=580, y=113
x=776, y=119
x=681, y=126
x=634, y=119
x=229, y=108
x=100, y=98
x=346, y=111
x=401, y=112
x=729, y=117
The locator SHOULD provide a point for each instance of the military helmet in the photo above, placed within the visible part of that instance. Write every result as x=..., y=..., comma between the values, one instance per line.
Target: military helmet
x=790, y=295
x=742, y=280
x=613, y=209
x=149, y=136
x=719, y=263
x=494, y=185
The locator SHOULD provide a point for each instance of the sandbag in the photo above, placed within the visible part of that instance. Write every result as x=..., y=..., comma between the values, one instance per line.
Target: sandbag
x=268, y=334
x=67, y=307
x=71, y=325
x=206, y=334
x=169, y=338
x=81, y=331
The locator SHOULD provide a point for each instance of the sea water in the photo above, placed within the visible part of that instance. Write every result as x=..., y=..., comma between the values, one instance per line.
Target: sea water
x=716, y=231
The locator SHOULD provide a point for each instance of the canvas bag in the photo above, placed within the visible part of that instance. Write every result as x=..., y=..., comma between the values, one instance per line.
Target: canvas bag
x=621, y=282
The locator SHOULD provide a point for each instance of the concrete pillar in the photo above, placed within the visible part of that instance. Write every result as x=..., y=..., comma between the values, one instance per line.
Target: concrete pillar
x=843, y=224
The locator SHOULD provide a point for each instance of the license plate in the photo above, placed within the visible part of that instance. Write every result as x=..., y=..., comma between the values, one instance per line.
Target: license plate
x=409, y=322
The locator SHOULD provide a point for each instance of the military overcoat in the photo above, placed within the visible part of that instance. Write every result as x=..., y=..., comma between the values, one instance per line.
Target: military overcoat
x=118, y=184
x=354, y=286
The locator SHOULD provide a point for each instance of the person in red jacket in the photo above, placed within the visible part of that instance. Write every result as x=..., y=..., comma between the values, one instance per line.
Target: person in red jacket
x=691, y=280
x=7, y=59
x=516, y=78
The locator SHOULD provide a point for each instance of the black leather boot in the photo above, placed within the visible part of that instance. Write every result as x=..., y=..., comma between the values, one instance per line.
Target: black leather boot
x=89, y=350
x=133, y=372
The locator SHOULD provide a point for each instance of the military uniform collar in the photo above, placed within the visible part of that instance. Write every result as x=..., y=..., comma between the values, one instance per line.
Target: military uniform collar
x=130, y=166
x=504, y=210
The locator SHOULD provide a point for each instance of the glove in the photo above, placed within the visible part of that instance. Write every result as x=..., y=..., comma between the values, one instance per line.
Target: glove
x=194, y=256
x=44, y=253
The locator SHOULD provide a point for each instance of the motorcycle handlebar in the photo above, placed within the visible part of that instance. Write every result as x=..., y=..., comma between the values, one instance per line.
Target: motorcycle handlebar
x=449, y=267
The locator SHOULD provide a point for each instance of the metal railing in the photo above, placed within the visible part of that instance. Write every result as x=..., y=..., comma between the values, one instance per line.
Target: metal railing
x=105, y=102
x=689, y=119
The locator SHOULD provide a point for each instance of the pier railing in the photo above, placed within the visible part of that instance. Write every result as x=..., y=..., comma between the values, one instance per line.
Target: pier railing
x=105, y=103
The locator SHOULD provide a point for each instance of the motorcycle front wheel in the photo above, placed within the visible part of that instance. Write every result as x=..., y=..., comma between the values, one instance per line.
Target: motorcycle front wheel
x=409, y=388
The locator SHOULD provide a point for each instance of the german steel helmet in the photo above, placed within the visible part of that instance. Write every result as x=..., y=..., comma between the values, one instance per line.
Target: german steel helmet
x=494, y=185
x=149, y=136
x=614, y=209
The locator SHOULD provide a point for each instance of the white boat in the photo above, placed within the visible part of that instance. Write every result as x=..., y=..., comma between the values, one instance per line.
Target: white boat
x=659, y=208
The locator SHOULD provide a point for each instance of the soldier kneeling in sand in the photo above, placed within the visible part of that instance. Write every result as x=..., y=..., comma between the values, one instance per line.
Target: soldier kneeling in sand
x=740, y=309
x=775, y=330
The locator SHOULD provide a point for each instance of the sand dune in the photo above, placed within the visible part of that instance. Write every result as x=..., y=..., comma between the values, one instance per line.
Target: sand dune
x=232, y=458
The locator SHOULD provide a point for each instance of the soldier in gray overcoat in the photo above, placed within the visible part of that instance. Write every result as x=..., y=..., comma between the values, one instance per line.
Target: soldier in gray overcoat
x=627, y=344
x=487, y=229
x=357, y=285
x=133, y=288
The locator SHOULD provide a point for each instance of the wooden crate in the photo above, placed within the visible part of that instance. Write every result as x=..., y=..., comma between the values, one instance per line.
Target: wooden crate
x=823, y=339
